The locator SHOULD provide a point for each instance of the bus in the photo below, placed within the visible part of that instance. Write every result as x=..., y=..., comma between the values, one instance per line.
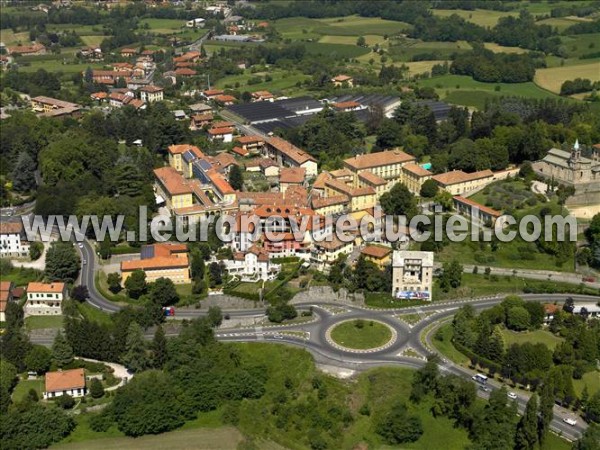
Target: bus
x=479, y=378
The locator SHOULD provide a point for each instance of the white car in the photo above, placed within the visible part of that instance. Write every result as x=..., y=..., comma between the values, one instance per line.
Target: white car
x=84, y=262
x=570, y=421
x=512, y=395
x=80, y=245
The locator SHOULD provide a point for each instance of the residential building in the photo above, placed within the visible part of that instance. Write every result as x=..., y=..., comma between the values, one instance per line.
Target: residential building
x=45, y=298
x=150, y=94
x=65, y=382
x=325, y=253
x=34, y=49
x=224, y=99
x=47, y=105
x=458, y=182
x=128, y=52
x=412, y=274
x=13, y=241
x=291, y=176
x=253, y=265
x=201, y=120
x=330, y=206
x=340, y=80
x=377, y=254
x=369, y=179
x=413, y=177
x=287, y=154
x=179, y=162
x=195, y=23
x=262, y=96
x=386, y=165
x=347, y=106
x=6, y=297
x=252, y=144
x=164, y=260
x=476, y=211
x=209, y=94
x=224, y=134
x=360, y=198
x=185, y=72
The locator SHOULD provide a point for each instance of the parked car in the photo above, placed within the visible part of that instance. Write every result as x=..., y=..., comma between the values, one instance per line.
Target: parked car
x=512, y=395
x=570, y=421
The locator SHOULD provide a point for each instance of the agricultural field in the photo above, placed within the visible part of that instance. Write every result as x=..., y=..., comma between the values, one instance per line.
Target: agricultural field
x=281, y=81
x=336, y=50
x=502, y=49
x=482, y=17
x=10, y=38
x=162, y=26
x=552, y=78
x=371, y=39
x=561, y=23
x=404, y=49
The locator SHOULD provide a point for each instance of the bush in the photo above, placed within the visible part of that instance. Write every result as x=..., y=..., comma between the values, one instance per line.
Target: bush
x=102, y=422
x=65, y=401
x=96, y=388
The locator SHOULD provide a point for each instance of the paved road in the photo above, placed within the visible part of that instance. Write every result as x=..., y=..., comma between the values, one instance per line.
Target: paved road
x=313, y=335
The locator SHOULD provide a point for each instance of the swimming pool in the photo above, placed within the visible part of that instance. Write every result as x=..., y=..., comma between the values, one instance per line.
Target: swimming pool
x=426, y=166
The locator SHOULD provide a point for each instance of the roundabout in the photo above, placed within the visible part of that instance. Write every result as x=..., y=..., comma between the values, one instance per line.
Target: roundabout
x=361, y=335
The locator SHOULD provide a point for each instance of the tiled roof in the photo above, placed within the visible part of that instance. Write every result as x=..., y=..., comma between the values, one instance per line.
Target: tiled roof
x=220, y=131
x=473, y=204
x=332, y=245
x=458, y=176
x=151, y=88
x=292, y=175
x=46, y=288
x=212, y=92
x=342, y=78
x=240, y=151
x=349, y=190
x=371, y=178
x=322, y=202
x=346, y=105
x=417, y=170
x=378, y=159
x=11, y=227
x=65, y=380
x=249, y=139
x=320, y=180
x=54, y=102
x=341, y=173
x=291, y=151
x=220, y=183
x=172, y=181
x=225, y=98
x=159, y=262
x=376, y=251
x=184, y=71
x=177, y=149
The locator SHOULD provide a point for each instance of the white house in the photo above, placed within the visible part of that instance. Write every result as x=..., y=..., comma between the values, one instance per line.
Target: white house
x=150, y=94
x=65, y=382
x=326, y=252
x=45, y=298
x=195, y=23
x=12, y=240
x=252, y=266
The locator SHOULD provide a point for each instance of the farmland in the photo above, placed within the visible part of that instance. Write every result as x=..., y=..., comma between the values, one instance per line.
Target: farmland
x=484, y=18
x=162, y=26
x=552, y=78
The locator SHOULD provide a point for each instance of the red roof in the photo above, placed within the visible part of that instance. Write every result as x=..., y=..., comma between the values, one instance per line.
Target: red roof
x=185, y=72
x=64, y=380
x=225, y=98
x=473, y=204
x=240, y=151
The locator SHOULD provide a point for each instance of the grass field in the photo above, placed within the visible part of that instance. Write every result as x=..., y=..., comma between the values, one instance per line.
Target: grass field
x=404, y=49
x=561, y=23
x=535, y=337
x=162, y=26
x=92, y=40
x=9, y=37
x=23, y=387
x=553, y=78
x=371, y=39
x=484, y=18
x=502, y=49
x=360, y=334
x=335, y=50
x=37, y=322
x=442, y=341
x=589, y=379
x=20, y=276
x=581, y=44
x=282, y=80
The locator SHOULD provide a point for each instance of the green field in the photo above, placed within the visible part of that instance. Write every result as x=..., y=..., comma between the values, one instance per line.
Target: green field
x=9, y=37
x=161, y=26
x=589, y=379
x=282, y=80
x=442, y=341
x=404, y=49
x=483, y=17
x=463, y=90
x=37, y=322
x=553, y=78
x=361, y=334
x=20, y=276
x=534, y=337
x=24, y=386
x=335, y=51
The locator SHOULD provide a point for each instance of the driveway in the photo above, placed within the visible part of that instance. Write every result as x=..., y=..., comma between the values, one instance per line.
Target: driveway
x=119, y=371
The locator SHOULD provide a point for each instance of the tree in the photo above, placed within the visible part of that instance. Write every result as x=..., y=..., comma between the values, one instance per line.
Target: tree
x=24, y=173
x=398, y=427
x=592, y=409
x=35, y=250
x=80, y=293
x=62, y=262
x=135, y=357
x=518, y=318
x=429, y=189
x=96, y=388
x=546, y=410
x=527, y=436
x=451, y=275
x=163, y=292
x=236, y=177
x=215, y=273
x=136, y=284
x=114, y=282
x=159, y=348
x=590, y=440
x=65, y=401
x=425, y=379
x=399, y=201
x=215, y=316
x=38, y=359
x=62, y=352
x=361, y=41
x=8, y=380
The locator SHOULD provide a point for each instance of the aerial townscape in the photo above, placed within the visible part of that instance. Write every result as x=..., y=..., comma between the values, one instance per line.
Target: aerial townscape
x=300, y=224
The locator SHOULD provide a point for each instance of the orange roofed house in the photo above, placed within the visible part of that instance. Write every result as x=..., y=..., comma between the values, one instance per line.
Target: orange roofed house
x=65, y=382
x=377, y=254
x=164, y=260
x=45, y=299
x=339, y=80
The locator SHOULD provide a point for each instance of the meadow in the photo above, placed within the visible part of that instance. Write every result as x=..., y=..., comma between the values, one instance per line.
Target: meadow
x=282, y=81
x=534, y=337
x=481, y=17
x=553, y=78
x=161, y=26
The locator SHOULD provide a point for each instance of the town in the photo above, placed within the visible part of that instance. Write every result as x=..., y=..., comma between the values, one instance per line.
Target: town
x=328, y=152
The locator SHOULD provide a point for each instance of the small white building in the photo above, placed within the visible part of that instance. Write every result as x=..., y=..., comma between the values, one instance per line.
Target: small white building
x=150, y=94
x=195, y=23
x=65, y=382
x=45, y=298
x=254, y=265
x=12, y=240
x=412, y=274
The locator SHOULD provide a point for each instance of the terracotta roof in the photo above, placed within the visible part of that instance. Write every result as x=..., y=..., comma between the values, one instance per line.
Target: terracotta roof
x=184, y=71
x=151, y=88
x=65, y=380
x=46, y=288
x=240, y=151
x=349, y=190
x=26, y=48
x=206, y=117
x=212, y=92
x=371, y=178
x=596, y=146
x=5, y=292
x=417, y=170
x=220, y=183
x=342, y=78
x=99, y=95
x=249, y=139
x=122, y=65
x=177, y=149
x=172, y=181
x=223, y=124
x=54, y=102
x=346, y=105
x=11, y=227
x=136, y=103
x=378, y=159
x=458, y=176
x=225, y=98
x=223, y=160
x=473, y=204
x=159, y=262
x=376, y=251
x=169, y=248
x=341, y=173
x=322, y=202
x=320, y=180
x=550, y=308
x=332, y=245
x=220, y=131
x=292, y=175
x=259, y=94
x=291, y=151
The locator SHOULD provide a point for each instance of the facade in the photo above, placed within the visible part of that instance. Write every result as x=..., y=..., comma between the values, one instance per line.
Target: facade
x=377, y=254
x=413, y=176
x=49, y=105
x=150, y=94
x=65, y=382
x=13, y=240
x=339, y=80
x=476, y=211
x=386, y=165
x=253, y=265
x=5, y=297
x=458, y=182
x=326, y=252
x=44, y=299
x=291, y=176
x=164, y=260
x=287, y=154
x=412, y=274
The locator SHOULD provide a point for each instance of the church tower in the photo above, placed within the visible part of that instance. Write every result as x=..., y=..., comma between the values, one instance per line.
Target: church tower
x=575, y=159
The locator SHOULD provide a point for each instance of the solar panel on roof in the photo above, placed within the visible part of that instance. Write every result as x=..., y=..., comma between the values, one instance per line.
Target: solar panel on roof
x=188, y=156
x=147, y=251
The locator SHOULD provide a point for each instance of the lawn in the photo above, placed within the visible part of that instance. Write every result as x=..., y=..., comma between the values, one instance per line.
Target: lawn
x=24, y=386
x=92, y=40
x=534, y=337
x=442, y=341
x=591, y=380
x=21, y=276
x=361, y=334
x=481, y=17
x=37, y=322
x=464, y=90
x=92, y=313
x=162, y=26
x=9, y=37
x=553, y=78
x=282, y=80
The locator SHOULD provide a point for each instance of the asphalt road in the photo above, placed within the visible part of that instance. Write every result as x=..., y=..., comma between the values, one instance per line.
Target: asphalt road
x=313, y=335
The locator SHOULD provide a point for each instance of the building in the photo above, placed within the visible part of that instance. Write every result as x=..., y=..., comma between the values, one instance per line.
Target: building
x=128, y=52
x=458, y=182
x=412, y=274
x=150, y=94
x=51, y=106
x=252, y=144
x=185, y=72
x=287, y=154
x=34, y=49
x=360, y=198
x=377, y=254
x=209, y=94
x=573, y=169
x=262, y=96
x=65, y=382
x=340, y=80
x=253, y=265
x=476, y=211
x=291, y=176
x=225, y=99
x=224, y=134
x=164, y=260
x=6, y=296
x=386, y=165
x=13, y=241
x=326, y=252
x=45, y=298
x=195, y=23
x=413, y=177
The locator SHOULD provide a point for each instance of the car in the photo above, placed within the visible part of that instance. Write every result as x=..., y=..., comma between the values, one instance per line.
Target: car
x=84, y=262
x=278, y=336
x=570, y=421
x=80, y=245
x=512, y=395
x=485, y=389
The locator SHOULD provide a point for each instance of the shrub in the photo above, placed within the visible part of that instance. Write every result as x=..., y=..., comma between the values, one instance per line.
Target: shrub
x=65, y=401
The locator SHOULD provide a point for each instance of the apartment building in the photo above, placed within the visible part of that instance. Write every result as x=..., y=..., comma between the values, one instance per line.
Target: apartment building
x=412, y=274
x=326, y=252
x=164, y=260
x=413, y=176
x=287, y=154
x=13, y=241
x=386, y=165
x=151, y=94
x=458, y=182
